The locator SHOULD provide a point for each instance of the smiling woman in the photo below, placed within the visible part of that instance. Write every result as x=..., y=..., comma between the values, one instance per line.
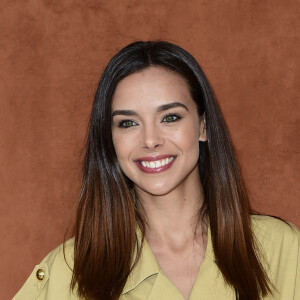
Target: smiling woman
x=163, y=212
x=162, y=134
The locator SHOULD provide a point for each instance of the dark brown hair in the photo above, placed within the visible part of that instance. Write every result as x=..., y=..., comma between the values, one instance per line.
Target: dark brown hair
x=107, y=217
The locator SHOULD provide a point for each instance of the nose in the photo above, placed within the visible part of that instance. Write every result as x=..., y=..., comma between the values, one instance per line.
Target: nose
x=152, y=138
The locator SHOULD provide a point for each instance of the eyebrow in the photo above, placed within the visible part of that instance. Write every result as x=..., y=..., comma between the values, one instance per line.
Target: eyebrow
x=171, y=105
x=161, y=108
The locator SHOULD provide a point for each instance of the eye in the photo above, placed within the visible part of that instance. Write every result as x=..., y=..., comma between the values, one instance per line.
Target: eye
x=127, y=124
x=171, y=118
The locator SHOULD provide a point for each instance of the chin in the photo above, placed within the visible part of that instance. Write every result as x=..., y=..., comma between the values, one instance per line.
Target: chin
x=156, y=190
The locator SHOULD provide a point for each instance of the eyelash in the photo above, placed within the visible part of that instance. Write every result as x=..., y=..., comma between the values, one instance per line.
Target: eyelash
x=122, y=124
x=175, y=118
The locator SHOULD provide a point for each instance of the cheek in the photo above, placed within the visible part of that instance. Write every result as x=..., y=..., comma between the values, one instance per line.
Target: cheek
x=123, y=147
x=117, y=142
x=188, y=137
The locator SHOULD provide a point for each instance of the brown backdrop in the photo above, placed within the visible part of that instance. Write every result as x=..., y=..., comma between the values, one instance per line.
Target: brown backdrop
x=52, y=52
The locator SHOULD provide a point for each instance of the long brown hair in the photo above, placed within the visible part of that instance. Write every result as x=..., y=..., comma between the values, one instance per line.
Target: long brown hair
x=107, y=218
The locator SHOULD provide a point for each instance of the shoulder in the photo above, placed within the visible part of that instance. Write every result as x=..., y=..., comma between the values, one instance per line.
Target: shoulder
x=273, y=234
x=274, y=229
x=52, y=277
x=61, y=258
x=58, y=264
x=277, y=244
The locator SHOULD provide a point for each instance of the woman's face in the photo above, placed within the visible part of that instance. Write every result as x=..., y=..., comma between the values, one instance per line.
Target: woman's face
x=156, y=130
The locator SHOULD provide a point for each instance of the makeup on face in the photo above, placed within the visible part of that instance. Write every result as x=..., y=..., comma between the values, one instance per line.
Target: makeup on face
x=155, y=164
x=155, y=130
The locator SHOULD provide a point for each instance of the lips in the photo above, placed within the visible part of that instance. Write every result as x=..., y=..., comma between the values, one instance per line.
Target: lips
x=155, y=164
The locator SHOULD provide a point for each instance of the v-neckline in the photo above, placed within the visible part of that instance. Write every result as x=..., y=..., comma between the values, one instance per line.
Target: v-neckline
x=208, y=257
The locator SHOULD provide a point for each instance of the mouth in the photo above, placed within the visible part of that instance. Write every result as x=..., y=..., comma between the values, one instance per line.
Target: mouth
x=155, y=164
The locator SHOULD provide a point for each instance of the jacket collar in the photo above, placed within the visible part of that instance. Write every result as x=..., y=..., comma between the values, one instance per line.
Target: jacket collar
x=146, y=266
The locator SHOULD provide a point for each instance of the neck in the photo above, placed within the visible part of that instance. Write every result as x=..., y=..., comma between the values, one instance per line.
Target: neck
x=173, y=218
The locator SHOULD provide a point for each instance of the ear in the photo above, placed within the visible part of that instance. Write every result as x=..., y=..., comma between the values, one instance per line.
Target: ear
x=202, y=129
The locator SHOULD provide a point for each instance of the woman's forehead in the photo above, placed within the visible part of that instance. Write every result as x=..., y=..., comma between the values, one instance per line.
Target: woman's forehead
x=153, y=86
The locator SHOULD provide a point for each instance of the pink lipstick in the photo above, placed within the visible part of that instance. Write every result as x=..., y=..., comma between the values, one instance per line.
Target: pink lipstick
x=155, y=164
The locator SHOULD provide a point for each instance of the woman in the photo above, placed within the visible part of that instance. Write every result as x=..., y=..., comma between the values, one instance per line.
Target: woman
x=163, y=212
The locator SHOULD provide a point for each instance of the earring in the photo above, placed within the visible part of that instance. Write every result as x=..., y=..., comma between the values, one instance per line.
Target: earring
x=132, y=192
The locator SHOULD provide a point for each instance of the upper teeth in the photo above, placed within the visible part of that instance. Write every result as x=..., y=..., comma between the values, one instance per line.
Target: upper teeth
x=157, y=163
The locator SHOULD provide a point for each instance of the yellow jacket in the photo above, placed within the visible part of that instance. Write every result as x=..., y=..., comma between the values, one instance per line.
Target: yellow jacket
x=50, y=280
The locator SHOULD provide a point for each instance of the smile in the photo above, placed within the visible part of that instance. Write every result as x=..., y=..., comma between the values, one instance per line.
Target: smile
x=155, y=165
